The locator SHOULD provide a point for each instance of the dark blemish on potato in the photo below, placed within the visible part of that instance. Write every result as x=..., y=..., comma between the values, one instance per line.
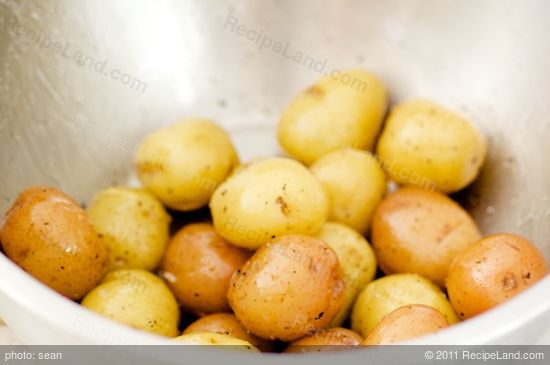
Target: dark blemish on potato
x=196, y=295
x=282, y=204
x=62, y=267
x=139, y=203
x=509, y=282
x=284, y=187
x=225, y=209
x=514, y=247
x=319, y=316
x=462, y=314
x=315, y=91
x=46, y=223
x=224, y=191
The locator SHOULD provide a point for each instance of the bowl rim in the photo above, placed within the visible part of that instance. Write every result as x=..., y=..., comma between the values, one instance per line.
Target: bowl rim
x=62, y=313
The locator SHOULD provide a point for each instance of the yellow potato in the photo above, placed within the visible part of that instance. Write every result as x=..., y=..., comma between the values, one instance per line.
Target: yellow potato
x=355, y=184
x=333, y=339
x=405, y=323
x=336, y=112
x=291, y=287
x=214, y=339
x=49, y=235
x=227, y=324
x=493, y=270
x=133, y=225
x=138, y=299
x=420, y=231
x=267, y=199
x=384, y=295
x=183, y=164
x=431, y=147
x=357, y=262
x=198, y=265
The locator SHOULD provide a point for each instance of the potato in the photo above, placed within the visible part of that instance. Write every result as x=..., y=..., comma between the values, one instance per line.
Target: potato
x=405, y=323
x=133, y=225
x=428, y=146
x=291, y=287
x=357, y=262
x=136, y=298
x=184, y=163
x=384, y=295
x=491, y=271
x=418, y=231
x=49, y=235
x=334, y=113
x=214, y=339
x=326, y=340
x=198, y=265
x=227, y=324
x=355, y=184
x=267, y=199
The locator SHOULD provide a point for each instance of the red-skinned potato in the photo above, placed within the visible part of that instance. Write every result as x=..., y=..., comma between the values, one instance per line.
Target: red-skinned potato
x=292, y=286
x=491, y=271
x=49, y=235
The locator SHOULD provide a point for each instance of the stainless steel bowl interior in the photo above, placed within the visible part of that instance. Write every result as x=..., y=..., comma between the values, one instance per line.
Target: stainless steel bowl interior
x=81, y=82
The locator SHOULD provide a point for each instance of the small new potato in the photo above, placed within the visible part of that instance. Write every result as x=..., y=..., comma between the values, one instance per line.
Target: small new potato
x=214, y=339
x=355, y=184
x=267, y=199
x=386, y=294
x=344, y=110
x=227, y=324
x=138, y=299
x=198, y=265
x=419, y=231
x=133, y=225
x=49, y=235
x=289, y=288
x=405, y=323
x=326, y=340
x=491, y=271
x=183, y=164
x=428, y=146
x=357, y=262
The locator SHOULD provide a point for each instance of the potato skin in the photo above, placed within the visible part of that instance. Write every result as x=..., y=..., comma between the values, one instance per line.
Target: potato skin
x=420, y=231
x=290, y=287
x=197, y=267
x=183, y=164
x=333, y=114
x=428, y=146
x=267, y=199
x=355, y=184
x=326, y=340
x=405, y=323
x=493, y=270
x=133, y=225
x=214, y=339
x=138, y=299
x=357, y=262
x=49, y=235
x=386, y=294
x=227, y=324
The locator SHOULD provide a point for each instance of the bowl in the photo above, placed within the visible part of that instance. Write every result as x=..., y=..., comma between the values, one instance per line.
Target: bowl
x=83, y=82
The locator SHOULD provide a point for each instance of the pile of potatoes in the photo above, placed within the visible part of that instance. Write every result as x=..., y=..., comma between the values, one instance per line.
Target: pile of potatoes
x=284, y=263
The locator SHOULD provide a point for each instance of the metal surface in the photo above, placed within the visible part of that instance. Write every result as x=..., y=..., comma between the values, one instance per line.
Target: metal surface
x=75, y=126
